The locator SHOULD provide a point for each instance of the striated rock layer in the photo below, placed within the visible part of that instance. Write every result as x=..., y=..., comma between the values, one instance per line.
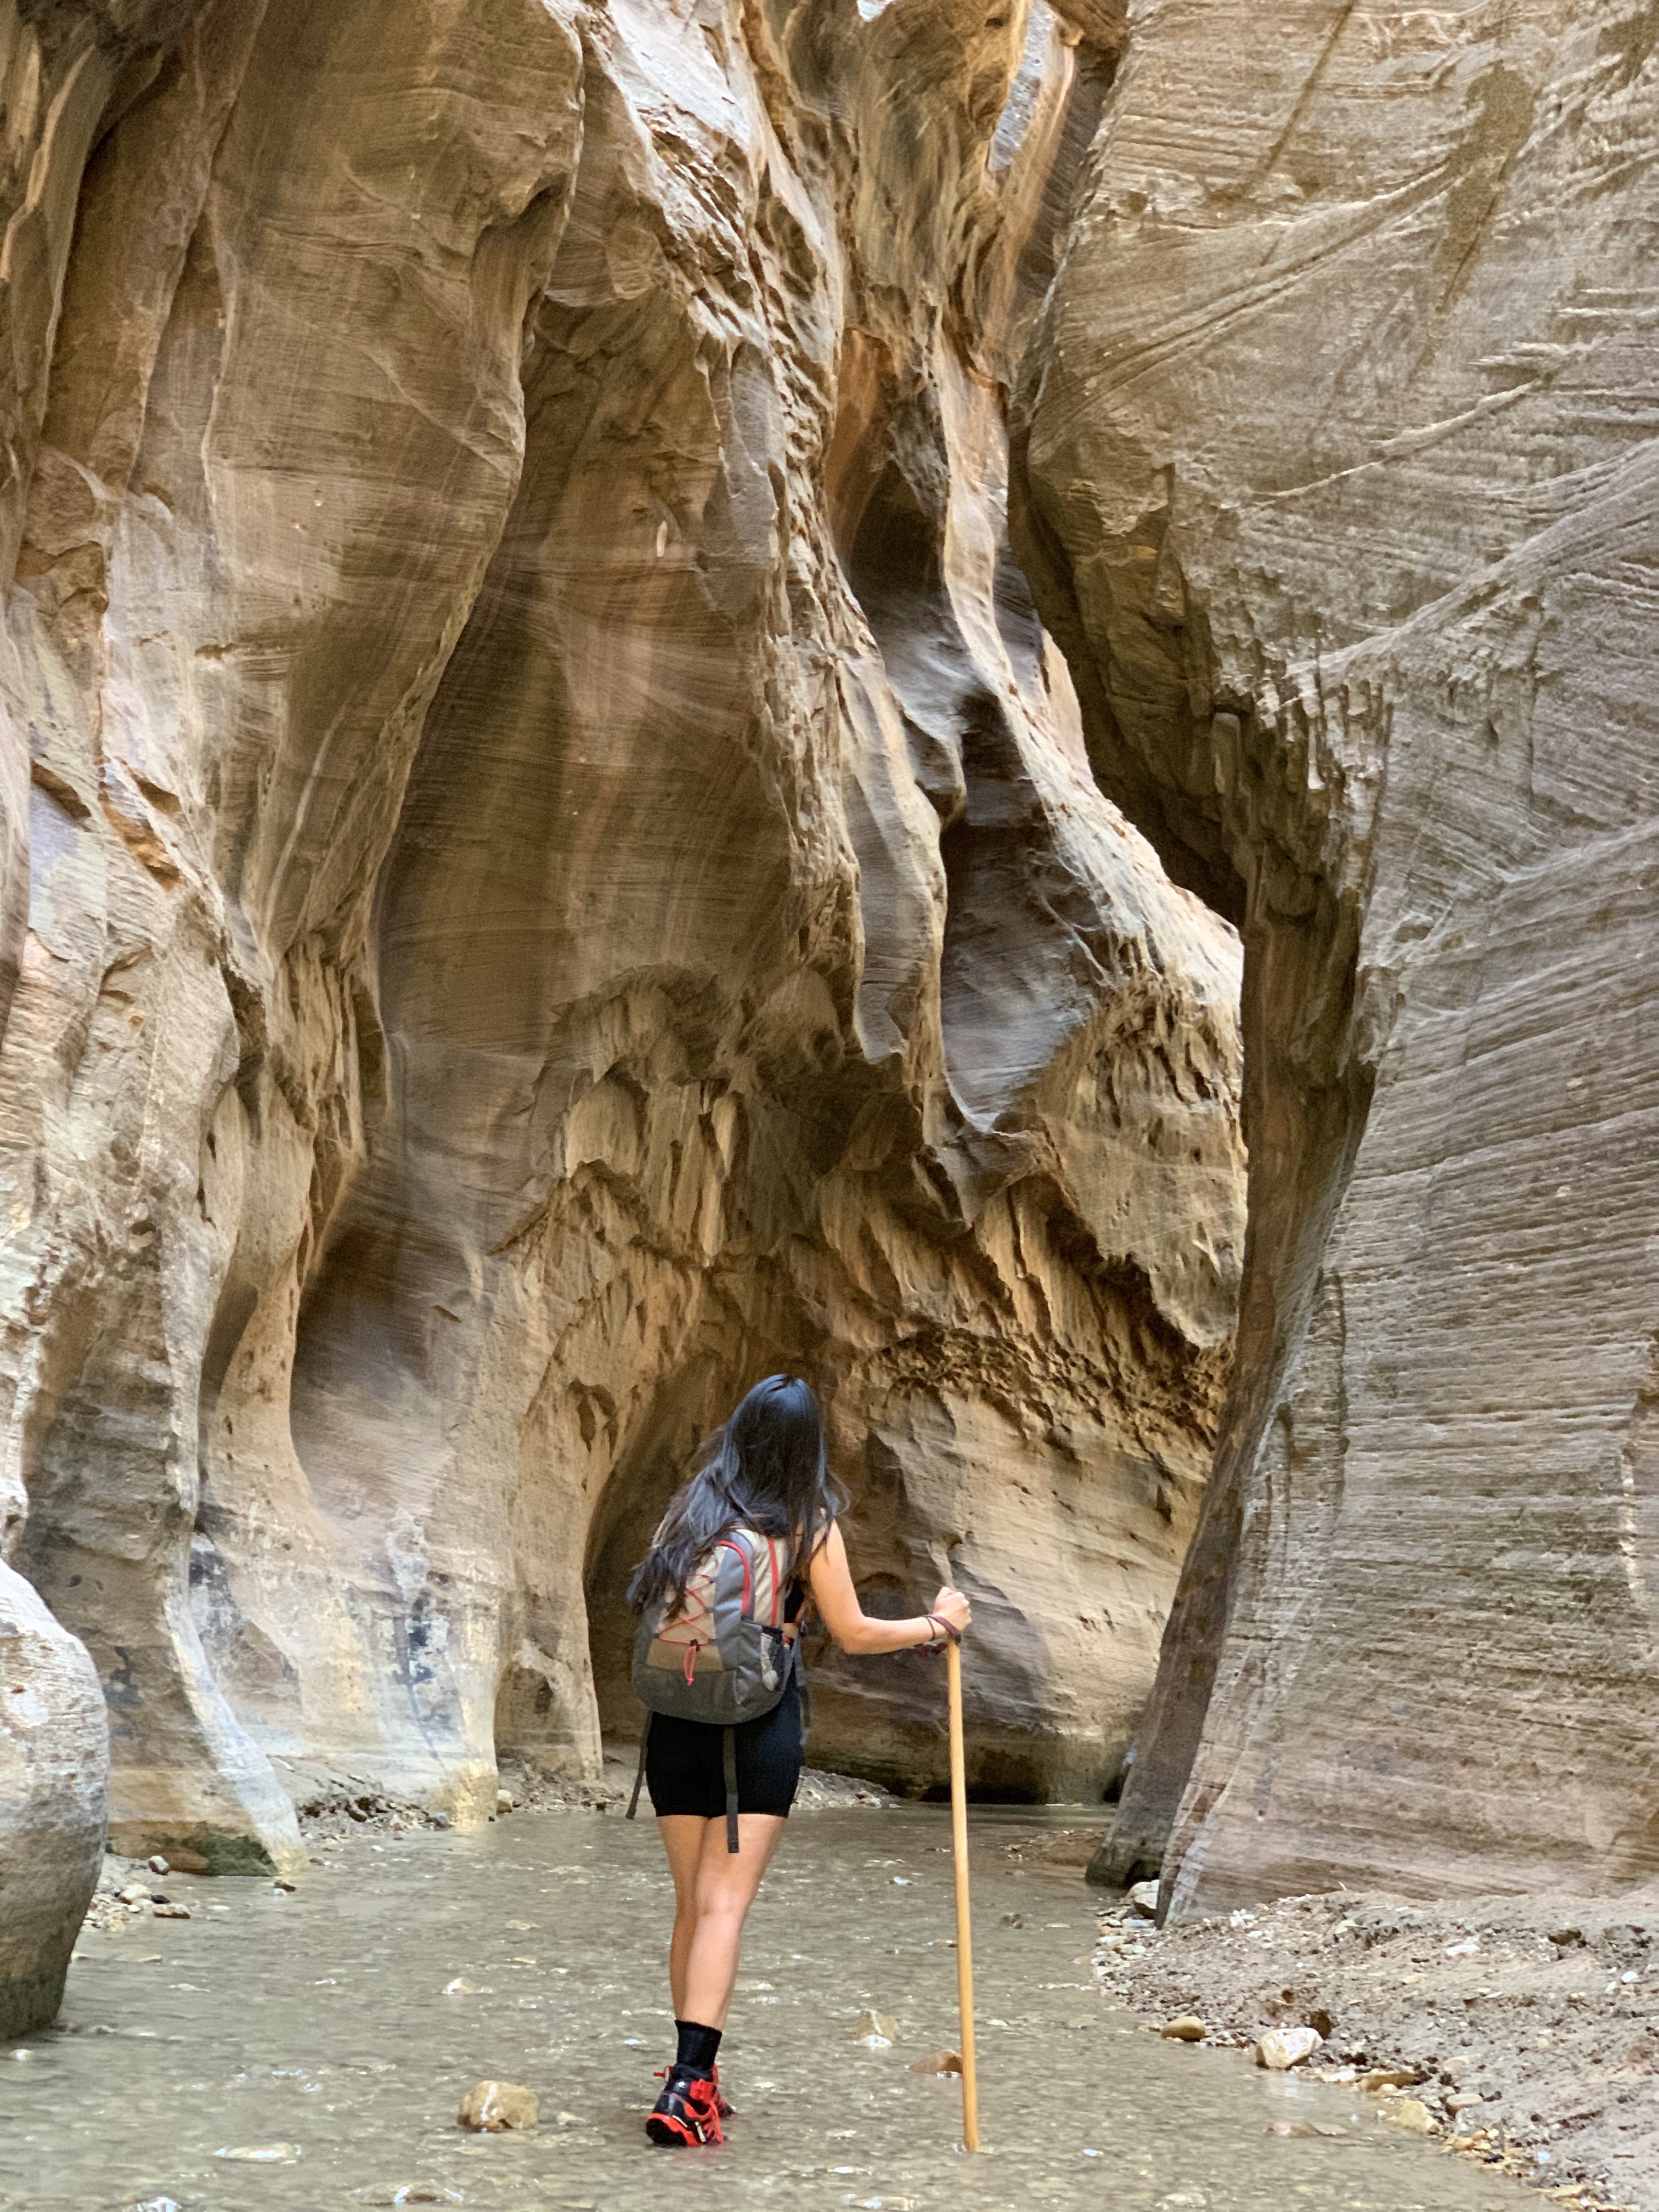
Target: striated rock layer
x=562, y=876
x=1336, y=476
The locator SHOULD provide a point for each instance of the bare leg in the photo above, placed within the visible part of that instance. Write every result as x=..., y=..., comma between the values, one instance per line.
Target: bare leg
x=714, y=1889
x=682, y=1837
x=726, y=1884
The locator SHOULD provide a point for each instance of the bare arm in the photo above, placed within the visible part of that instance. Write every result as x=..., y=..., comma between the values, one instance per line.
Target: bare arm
x=854, y=1629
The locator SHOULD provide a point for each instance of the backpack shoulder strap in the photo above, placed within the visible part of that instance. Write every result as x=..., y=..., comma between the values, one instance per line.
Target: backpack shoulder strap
x=742, y=1540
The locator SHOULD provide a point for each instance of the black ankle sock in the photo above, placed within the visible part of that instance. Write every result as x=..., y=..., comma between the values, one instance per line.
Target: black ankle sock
x=699, y=2048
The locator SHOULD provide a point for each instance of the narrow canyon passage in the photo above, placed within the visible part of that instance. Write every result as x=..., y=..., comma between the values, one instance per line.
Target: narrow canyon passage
x=316, y=2027
x=952, y=695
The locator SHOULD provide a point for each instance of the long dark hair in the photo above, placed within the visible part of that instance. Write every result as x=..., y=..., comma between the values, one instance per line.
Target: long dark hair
x=764, y=1468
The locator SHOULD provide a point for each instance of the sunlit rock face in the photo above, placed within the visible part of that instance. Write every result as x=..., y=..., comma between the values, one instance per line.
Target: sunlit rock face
x=563, y=877
x=283, y=428
x=1335, y=473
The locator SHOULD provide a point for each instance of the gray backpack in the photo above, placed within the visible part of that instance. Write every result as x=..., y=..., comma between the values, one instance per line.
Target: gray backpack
x=719, y=1656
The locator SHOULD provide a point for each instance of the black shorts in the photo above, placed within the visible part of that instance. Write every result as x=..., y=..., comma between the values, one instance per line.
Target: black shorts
x=685, y=1768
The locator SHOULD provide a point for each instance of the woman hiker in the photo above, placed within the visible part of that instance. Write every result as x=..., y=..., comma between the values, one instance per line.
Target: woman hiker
x=722, y=1590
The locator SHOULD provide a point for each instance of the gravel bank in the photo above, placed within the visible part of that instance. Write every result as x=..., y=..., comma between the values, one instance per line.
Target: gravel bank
x=1525, y=2032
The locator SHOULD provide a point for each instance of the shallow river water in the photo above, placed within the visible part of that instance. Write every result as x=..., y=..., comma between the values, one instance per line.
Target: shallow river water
x=316, y=2025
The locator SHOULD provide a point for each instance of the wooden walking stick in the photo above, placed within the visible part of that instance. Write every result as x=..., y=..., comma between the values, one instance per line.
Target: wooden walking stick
x=964, y=1934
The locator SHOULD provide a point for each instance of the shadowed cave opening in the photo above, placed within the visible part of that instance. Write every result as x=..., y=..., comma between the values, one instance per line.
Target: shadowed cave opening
x=897, y=1695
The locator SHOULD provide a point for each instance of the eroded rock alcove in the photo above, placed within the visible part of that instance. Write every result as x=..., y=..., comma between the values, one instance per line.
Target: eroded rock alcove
x=560, y=874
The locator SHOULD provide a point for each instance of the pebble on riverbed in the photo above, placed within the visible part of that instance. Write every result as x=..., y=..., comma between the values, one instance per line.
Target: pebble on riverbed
x=878, y=2029
x=1187, y=2027
x=938, y=2061
x=127, y=1891
x=1391, y=2077
x=1412, y=2115
x=490, y=2108
x=410, y=2192
x=1281, y=2048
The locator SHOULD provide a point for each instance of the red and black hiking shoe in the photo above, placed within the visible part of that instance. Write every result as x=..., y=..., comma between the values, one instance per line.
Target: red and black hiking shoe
x=687, y=2112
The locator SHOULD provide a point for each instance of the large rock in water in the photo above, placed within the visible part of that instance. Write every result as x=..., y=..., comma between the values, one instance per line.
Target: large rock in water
x=54, y=1780
x=564, y=877
x=1337, y=479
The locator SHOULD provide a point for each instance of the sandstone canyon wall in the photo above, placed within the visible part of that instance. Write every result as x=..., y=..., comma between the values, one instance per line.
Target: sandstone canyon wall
x=1336, y=476
x=550, y=869
x=552, y=864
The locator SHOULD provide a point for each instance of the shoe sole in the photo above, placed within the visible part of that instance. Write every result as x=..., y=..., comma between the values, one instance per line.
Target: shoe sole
x=673, y=2135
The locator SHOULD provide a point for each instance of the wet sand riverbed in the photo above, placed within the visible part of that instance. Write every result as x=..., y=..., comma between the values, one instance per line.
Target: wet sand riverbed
x=316, y=2025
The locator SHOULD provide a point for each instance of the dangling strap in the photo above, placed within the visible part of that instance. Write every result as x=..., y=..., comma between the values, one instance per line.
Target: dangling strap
x=797, y=1657
x=639, y=1778
x=730, y=1751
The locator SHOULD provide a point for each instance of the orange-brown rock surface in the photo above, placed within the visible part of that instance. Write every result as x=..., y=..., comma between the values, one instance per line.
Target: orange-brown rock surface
x=561, y=874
